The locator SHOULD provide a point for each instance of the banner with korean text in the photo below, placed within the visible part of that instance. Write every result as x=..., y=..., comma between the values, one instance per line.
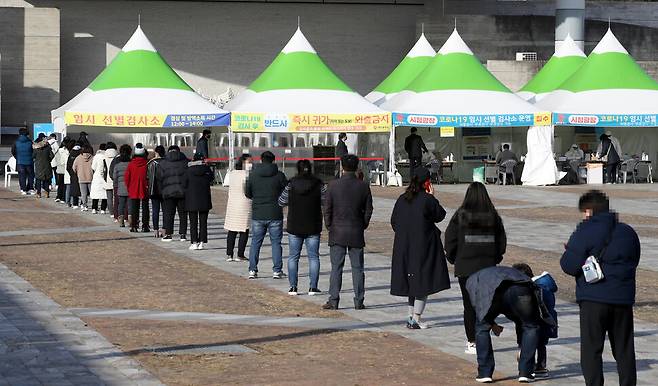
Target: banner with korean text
x=606, y=120
x=146, y=120
x=492, y=120
x=318, y=123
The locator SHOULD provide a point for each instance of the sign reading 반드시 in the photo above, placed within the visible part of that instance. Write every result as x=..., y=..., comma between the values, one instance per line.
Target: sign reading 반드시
x=146, y=120
x=606, y=120
x=491, y=120
x=284, y=123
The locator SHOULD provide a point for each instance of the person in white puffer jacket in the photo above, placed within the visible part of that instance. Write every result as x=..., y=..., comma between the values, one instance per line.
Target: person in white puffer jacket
x=63, y=176
x=97, y=192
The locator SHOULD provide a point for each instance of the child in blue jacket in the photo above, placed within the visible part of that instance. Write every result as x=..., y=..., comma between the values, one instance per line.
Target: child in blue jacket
x=548, y=289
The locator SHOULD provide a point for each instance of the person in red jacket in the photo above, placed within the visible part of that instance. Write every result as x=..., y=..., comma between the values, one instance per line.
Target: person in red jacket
x=137, y=184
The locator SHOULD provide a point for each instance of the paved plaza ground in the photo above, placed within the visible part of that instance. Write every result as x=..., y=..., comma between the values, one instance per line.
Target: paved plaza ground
x=83, y=302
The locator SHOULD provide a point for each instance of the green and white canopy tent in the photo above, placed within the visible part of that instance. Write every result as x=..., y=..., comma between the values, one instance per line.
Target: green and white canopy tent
x=567, y=60
x=456, y=90
x=138, y=92
x=409, y=68
x=609, y=90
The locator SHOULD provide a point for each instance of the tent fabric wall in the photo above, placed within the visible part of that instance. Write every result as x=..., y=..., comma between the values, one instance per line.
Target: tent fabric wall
x=539, y=168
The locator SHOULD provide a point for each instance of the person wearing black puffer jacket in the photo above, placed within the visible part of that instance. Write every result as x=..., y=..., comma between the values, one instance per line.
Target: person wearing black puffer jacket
x=474, y=239
x=170, y=176
x=303, y=196
x=198, y=201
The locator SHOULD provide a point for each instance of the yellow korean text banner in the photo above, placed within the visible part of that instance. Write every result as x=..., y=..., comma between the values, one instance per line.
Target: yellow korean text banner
x=114, y=120
x=284, y=123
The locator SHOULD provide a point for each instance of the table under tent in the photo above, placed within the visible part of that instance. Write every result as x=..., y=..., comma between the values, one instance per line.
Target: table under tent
x=609, y=92
x=468, y=113
x=138, y=97
x=298, y=93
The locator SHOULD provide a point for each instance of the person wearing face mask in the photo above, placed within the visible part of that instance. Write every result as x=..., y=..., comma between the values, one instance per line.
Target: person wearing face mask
x=574, y=153
x=238, y=210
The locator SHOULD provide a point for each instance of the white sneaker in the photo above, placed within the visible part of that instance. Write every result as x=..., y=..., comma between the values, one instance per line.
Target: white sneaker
x=74, y=207
x=470, y=349
x=193, y=247
x=253, y=274
x=230, y=259
x=199, y=246
x=484, y=380
x=24, y=193
x=32, y=192
x=94, y=211
x=102, y=212
x=526, y=379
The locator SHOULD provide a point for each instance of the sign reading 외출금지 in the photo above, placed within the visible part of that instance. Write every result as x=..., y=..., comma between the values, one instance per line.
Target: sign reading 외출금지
x=457, y=120
x=146, y=120
x=310, y=122
x=606, y=120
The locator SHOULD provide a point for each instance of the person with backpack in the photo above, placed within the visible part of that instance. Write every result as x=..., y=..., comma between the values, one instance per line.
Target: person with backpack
x=154, y=189
x=137, y=185
x=197, y=181
x=98, y=193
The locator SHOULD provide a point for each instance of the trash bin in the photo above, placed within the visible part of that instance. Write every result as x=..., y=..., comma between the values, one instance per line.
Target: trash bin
x=478, y=174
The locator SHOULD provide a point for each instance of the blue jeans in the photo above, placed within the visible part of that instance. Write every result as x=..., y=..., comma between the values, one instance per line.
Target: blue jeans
x=518, y=304
x=258, y=229
x=25, y=177
x=156, y=203
x=312, y=249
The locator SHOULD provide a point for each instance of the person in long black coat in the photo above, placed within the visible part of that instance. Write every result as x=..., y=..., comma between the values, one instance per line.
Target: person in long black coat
x=74, y=186
x=198, y=201
x=419, y=264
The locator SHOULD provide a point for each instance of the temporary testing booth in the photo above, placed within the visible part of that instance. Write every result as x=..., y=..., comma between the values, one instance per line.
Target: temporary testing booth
x=470, y=114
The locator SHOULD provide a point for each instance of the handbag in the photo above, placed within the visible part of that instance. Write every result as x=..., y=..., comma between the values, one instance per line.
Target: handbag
x=592, y=270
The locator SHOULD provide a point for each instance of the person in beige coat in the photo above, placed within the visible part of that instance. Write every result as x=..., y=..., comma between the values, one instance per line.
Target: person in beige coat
x=82, y=167
x=238, y=210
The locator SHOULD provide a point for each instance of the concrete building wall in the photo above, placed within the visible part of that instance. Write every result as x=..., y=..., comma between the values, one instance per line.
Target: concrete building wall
x=30, y=64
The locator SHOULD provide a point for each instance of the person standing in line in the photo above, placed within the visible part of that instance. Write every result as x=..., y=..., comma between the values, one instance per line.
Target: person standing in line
x=54, y=147
x=202, y=144
x=154, y=189
x=22, y=151
x=238, y=210
x=474, y=239
x=61, y=157
x=82, y=168
x=170, y=180
x=42, y=156
x=341, y=150
x=303, y=196
x=263, y=188
x=419, y=265
x=198, y=200
x=119, y=167
x=98, y=194
x=74, y=186
x=108, y=185
x=606, y=306
x=348, y=208
x=137, y=184
x=415, y=147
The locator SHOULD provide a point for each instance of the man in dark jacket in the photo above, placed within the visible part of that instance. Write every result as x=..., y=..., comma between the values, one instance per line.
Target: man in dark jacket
x=607, y=305
x=508, y=291
x=202, y=144
x=170, y=176
x=341, y=150
x=348, y=208
x=22, y=151
x=415, y=147
x=263, y=188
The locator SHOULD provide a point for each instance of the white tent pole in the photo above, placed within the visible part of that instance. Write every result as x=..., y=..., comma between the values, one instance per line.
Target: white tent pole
x=391, y=150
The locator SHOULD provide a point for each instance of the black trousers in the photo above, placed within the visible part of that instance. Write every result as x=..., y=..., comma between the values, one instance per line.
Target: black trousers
x=242, y=243
x=199, y=227
x=597, y=319
x=169, y=208
x=94, y=204
x=611, y=172
x=469, y=311
x=61, y=188
x=414, y=162
x=135, y=203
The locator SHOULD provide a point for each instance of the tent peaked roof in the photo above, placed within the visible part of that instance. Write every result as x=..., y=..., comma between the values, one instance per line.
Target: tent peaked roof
x=298, y=81
x=138, y=41
x=609, y=43
x=411, y=65
x=455, y=44
x=567, y=59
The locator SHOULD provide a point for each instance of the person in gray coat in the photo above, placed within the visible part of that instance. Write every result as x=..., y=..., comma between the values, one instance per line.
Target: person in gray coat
x=118, y=173
x=348, y=209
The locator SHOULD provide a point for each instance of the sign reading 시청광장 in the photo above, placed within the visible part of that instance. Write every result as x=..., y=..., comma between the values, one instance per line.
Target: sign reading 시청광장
x=455, y=120
x=606, y=120
x=146, y=120
x=281, y=122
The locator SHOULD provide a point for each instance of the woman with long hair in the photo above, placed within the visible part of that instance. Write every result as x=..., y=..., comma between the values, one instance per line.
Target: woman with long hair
x=119, y=167
x=419, y=265
x=137, y=185
x=238, y=209
x=475, y=239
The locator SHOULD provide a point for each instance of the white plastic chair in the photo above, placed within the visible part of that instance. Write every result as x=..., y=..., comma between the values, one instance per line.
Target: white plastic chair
x=10, y=170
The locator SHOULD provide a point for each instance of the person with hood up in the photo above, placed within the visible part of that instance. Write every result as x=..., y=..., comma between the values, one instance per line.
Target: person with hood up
x=82, y=168
x=264, y=187
x=609, y=151
x=108, y=182
x=98, y=181
x=474, y=239
x=170, y=176
x=198, y=201
x=43, y=172
x=154, y=189
x=137, y=185
x=74, y=191
x=60, y=163
x=118, y=171
x=238, y=209
x=304, y=196
x=419, y=265
x=22, y=151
